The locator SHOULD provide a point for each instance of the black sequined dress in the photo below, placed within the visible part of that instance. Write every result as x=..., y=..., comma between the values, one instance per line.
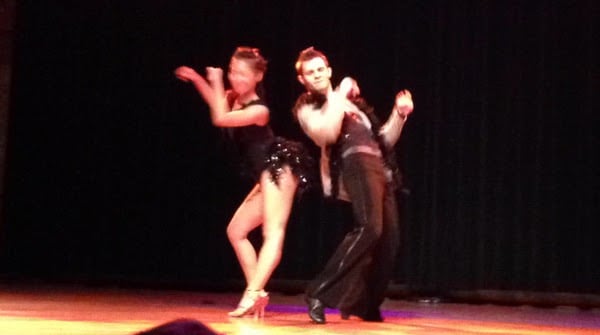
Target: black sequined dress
x=258, y=149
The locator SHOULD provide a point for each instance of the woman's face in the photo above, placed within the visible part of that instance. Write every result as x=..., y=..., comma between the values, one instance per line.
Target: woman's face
x=242, y=77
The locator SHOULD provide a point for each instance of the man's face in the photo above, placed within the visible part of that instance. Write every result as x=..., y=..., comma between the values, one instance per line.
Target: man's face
x=315, y=75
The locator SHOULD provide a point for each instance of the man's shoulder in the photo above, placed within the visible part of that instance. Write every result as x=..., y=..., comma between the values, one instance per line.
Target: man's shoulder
x=302, y=98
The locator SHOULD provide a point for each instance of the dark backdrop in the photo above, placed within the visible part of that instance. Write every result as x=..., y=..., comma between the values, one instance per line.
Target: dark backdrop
x=114, y=170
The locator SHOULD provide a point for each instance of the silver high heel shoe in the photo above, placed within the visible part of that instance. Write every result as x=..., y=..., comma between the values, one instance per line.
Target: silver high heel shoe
x=253, y=302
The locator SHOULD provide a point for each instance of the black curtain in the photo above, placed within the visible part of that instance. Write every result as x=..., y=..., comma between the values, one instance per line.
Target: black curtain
x=114, y=169
x=503, y=168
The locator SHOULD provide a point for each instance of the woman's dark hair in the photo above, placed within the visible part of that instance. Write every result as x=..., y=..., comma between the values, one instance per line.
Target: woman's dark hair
x=253, y=57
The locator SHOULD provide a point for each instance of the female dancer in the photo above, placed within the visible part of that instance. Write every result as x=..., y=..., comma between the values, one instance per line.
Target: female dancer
x=279, y=167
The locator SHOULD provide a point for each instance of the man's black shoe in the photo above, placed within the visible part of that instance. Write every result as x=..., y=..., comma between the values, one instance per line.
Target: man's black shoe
x=316, y=310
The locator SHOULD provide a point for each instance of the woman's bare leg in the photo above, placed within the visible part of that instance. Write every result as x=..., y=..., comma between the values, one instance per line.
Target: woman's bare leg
x=278, y=200
x=248, y=216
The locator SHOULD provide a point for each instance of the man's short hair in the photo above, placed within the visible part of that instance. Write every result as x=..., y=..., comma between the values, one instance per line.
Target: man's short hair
x=308, y=54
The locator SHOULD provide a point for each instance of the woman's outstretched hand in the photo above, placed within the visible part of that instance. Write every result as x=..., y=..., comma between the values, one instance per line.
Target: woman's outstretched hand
x=186, y=74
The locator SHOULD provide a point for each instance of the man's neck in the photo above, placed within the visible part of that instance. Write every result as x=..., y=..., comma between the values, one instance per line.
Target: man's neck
x=322, y=92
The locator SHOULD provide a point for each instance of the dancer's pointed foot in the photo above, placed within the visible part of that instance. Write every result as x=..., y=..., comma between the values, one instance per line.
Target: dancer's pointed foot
x=253, y=302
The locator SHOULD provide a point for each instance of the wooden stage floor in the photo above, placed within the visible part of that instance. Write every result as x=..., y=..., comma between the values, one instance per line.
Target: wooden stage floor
x=81, y=310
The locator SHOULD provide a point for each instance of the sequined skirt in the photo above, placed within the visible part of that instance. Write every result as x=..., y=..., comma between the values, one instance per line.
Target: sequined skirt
x=283, y=152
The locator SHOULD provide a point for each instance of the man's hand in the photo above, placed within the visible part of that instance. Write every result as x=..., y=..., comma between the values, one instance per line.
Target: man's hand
x=349, y=88
x=404, y=104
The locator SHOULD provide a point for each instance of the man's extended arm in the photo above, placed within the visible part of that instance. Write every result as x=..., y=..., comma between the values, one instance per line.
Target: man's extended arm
x=392, y=128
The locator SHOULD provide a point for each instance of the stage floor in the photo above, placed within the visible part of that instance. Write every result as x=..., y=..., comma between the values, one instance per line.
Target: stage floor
x=81, y=310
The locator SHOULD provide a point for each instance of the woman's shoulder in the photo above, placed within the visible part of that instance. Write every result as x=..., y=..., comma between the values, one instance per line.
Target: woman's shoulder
x=256, y=102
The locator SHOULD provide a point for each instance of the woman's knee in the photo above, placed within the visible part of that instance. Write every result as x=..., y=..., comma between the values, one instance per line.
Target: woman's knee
x=235, y=233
